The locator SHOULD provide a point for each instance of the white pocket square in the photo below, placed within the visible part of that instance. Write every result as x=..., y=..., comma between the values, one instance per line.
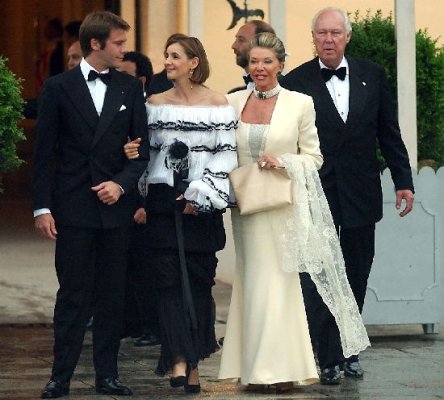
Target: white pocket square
x=122, y=107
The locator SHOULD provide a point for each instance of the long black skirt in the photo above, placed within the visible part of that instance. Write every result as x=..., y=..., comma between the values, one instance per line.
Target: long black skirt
x=178, y=340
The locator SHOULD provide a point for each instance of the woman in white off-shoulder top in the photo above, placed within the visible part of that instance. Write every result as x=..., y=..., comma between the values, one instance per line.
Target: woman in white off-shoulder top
x=192, y=150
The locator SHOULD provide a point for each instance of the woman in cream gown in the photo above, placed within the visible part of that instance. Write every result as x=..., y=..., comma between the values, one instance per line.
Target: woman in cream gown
x=267, y=339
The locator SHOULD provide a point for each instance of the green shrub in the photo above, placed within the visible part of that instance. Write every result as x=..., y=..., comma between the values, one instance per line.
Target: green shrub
x=11, y=107
x=373, y=38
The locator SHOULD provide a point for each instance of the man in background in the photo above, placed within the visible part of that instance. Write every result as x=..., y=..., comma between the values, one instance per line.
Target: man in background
x=138, y=65
x=74, y=55
x=71, y=32
x=241, y=44
x=141, y=299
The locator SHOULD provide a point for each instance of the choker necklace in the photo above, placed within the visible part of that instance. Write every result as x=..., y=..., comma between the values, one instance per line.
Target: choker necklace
x=267, y=94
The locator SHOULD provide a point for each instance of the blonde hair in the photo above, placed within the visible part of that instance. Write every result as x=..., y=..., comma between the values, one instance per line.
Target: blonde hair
x=269, y=41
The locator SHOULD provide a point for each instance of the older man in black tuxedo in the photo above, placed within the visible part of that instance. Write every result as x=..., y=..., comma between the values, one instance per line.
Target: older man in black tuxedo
x=82, y=196
x=354, y=112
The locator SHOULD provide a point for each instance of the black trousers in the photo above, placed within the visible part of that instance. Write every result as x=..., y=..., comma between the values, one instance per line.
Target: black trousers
x=358, y=248
x=141, y=295
x=91, y=269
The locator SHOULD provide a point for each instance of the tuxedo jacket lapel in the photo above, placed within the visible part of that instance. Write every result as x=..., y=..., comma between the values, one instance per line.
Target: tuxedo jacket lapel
x=114, y=96
x=321, y=96
x=356, y=102
x=77, y=89
x=358, y=93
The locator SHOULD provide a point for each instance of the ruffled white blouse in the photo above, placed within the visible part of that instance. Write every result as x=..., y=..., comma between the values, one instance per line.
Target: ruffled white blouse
x=209, y=134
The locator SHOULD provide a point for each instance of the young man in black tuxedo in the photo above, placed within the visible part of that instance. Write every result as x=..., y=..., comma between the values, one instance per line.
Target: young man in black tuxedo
x=82, y=197
x=354, y=112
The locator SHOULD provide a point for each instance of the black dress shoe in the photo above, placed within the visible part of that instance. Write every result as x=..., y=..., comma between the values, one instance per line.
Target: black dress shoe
x=147, y=340
x=353, y=369
x=55, y=389
x=112, y=386
x=331, y=376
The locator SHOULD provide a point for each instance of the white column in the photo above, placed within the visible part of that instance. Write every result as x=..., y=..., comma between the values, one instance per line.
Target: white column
x=195, y=19
x=128, y=13
x=277, y=11
x=406, y=57
x=160, y=22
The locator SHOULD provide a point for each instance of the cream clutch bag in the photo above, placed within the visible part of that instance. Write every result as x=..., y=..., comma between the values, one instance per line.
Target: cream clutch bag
x=258, y=189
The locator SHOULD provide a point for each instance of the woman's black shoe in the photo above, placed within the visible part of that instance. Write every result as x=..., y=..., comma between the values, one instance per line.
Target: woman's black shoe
x=191, y=388
x=178, y=381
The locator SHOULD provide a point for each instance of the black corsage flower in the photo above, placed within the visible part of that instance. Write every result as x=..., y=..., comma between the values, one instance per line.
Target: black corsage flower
x=178, y=150
x=177, y=156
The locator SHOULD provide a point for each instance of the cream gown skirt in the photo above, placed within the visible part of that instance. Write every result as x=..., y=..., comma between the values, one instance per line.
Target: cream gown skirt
x=267, y=339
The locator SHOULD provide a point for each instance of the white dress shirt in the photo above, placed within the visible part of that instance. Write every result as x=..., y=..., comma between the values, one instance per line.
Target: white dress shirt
x=96, y=87
x=339, y=90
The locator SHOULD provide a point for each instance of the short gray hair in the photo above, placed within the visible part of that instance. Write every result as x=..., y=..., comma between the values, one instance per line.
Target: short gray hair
x=347, y=23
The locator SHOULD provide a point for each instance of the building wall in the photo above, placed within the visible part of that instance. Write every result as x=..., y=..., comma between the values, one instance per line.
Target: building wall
x=217, y=39
x=23, y=20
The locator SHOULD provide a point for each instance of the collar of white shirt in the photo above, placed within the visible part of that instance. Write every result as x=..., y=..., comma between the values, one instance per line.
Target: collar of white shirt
x=343, y=63
x=85, y=68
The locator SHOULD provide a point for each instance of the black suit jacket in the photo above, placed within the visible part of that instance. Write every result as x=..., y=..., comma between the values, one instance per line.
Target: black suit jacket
x=159, y=83
x=349, y=149
x=76, y=149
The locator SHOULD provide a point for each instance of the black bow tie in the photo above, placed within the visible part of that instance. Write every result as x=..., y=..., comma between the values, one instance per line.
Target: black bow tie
x=93, y=75
x=247, y=79
x=328, y=73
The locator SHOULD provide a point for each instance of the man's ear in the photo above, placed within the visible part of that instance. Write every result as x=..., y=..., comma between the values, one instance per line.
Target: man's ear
x=95, y=45
x=349, y=35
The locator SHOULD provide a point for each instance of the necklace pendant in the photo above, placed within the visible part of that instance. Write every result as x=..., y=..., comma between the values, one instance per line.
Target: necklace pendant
x=267, y=94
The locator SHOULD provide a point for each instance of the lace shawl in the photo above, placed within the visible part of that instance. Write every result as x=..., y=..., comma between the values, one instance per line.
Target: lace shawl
x=307, y=241
x=209, y=134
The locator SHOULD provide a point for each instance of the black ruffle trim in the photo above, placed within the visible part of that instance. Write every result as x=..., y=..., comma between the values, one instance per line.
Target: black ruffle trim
x=192, y=126
x=199, y=149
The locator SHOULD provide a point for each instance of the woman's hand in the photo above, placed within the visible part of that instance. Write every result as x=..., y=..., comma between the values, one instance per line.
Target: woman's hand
x=140, y=216
x=268, y=162
x=131, y=149
x=189, y=209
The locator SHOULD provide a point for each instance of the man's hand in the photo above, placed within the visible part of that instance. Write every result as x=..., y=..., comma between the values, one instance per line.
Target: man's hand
x=406, y=195
x=108, y=192
x=140, y=216
x=45, y=226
